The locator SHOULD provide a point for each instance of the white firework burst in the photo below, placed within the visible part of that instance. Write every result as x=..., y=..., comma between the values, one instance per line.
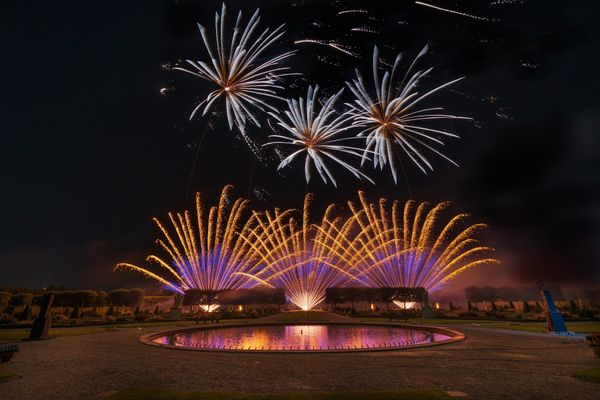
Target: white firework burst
x=244, y=81
x=392, y=119
x=316, y=134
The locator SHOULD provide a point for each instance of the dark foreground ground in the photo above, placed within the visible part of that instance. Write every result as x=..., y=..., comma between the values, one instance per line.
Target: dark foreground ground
x=489, y=364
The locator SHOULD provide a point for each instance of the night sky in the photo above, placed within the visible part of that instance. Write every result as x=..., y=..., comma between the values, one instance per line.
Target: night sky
x=92, y=149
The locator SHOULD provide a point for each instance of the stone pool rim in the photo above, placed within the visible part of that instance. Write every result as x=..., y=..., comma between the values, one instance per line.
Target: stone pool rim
x=454, y=336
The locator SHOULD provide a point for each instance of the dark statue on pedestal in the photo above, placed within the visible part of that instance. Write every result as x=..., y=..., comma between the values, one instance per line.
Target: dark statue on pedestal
x=41, y=326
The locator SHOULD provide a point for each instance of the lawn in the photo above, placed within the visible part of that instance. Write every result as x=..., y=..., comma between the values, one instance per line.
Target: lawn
x=590, y=375
x=23, y=333
x=160, y=394
x=538, y=327
x=4, y=375
x=303, y=316
x=577, y=327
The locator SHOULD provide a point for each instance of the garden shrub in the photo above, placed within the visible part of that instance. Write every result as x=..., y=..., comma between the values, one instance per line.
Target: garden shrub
x=467, y=314
x=7, y=319
x=4, y=300
x=21, y=299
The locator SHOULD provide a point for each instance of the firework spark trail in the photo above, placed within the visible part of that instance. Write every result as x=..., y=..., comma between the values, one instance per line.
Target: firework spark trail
x=205, y=252
x=391, y=119
x=406, y=248
x=245, y=82
x=303, y=258
x=420, y=3
x=316, y=134
x=364, y=29
x=353, y=12
x=331, y=44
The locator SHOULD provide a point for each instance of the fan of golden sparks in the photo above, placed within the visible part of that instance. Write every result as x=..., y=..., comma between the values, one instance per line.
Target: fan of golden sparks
x=204, y=252
x=244, y=81
x=317, y=135
x=392, y=119
x=303, y=258
x=223, y=250
x=406, y=247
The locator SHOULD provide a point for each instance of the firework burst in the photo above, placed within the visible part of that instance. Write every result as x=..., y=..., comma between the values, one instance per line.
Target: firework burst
x=245, y=82
x=316, y=134
x=392, y=119
x=303, y=258
x=204, y=253
x=406, y=248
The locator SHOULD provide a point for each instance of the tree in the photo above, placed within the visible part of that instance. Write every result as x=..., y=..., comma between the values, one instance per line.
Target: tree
x=494, y=309
x=279, y=298
x=4, y=300
x=135, y=297
x=489, y=293
x=101, y=299
x=573, y=309
x=118, y=297
x=81, y=298
x=506, y=293
x=386, y=294
x=21, y=299
x=354, y=294
x=473, y=294
x=200, y=297
x=25, y=315
x=334, y=296
x=409, y=295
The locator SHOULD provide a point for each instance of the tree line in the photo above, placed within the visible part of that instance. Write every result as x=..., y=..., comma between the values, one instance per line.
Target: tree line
x=75, y=298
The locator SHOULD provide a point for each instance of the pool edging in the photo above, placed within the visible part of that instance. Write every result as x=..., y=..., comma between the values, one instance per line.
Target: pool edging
x=455, y=336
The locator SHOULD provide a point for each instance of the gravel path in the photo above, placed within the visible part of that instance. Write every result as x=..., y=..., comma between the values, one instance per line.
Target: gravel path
x=490, y=364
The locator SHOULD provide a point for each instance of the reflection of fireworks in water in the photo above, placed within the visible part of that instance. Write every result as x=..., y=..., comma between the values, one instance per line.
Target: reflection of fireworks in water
x=317, y=134
x=391, y=118
x=304, y=259
x=406, y=248
x=244, y=83
x=207, y=259
x=300, y=337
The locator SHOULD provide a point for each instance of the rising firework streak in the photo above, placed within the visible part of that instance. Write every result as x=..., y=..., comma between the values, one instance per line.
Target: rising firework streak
x=420, y=3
